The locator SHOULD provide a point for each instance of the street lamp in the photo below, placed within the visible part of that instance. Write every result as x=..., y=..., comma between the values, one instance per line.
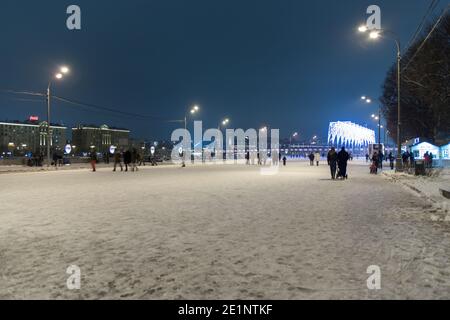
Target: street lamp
x=224, y=123
x=192, y=111
x=375, y=34
x=363, y=28
x=366, y=99
x=294, y=135
x=62, y=71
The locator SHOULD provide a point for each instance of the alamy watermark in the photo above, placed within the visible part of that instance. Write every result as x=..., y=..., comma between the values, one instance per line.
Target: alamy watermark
x=73, y=22
x=74, y=280
x=374, y=280
x=237, y=146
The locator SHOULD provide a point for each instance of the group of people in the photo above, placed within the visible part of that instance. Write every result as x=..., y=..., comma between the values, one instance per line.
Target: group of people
x=338, y=163
x=276, y=158
x=130, y=158
x=408, y=159
x=428, y=157
x=314, y=158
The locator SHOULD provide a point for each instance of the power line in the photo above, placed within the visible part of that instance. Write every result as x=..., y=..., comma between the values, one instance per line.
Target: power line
x=431, y=8
x=426, y=38
x=22, y=92
x=86, y=105
x=130, y=114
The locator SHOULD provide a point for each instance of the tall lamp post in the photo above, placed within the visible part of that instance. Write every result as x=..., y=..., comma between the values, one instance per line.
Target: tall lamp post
x=374, y=35
x=378, y=118
x=224, y=123
x=192, y=111
x=63, y=71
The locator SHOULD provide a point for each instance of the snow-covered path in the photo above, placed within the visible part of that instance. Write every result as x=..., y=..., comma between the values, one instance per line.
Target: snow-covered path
x=217, y=232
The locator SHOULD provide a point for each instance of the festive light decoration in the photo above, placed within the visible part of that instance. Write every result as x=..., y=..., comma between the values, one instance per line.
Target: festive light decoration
x=350, y=135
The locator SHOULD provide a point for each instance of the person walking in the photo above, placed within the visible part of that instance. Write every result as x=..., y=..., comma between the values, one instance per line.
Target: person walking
x=332, y=159
x=127, y=159
x=375, y=163
x=405, y=158
x=118, y=160
x=93, y=160
x=391, y=160
x=284, y=161
x=134, y=159
x=311, y=159
x=317, y=158
x=380, y=160
x=412, y=160
x=343, y=158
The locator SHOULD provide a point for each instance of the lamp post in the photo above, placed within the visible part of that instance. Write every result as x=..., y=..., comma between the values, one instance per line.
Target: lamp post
x=192, y=111
x=375, y=34
x=378, y=118
x=224, y=123
x=58, y=76
x=294, y=135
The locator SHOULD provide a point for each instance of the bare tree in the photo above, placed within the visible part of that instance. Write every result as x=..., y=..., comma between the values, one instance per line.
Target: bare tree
x=425, y=87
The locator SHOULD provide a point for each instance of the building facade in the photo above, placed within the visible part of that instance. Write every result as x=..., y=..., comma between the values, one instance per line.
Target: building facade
x=85, y=138
x=21, y=138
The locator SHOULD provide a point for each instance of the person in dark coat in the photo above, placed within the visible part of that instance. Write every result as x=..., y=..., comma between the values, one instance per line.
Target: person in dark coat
x=118, y=160
x=127, y=159
x=412, y=160
x=134, y=159
x=93, y=159
x=380, y=160
x=332, y=159
x=343, y=158
x=284, y=161
x=311, y=159
x=375, y=163
x=391, y=160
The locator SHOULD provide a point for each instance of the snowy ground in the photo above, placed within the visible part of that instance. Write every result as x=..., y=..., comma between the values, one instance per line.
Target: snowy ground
x=428, y=188
x=218, y=232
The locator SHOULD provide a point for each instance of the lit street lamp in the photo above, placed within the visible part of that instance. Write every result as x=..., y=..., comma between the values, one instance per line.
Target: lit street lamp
x=375, y=34
x=192, y=111
x=294, y=135
x=63, y=71
x=224, y=123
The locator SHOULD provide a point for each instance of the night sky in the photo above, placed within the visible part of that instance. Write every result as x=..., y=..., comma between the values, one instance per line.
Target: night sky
x=290, y=64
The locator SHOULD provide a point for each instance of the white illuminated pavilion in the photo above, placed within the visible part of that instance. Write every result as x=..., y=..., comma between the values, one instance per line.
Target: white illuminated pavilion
x=351, y=135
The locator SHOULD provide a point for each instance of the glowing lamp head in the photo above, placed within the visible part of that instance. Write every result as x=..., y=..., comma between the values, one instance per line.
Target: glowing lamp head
x=368, y=100
x=58, y=76
x=374, y=35
x=363, y=98
x=362, y=28
x=65, y=70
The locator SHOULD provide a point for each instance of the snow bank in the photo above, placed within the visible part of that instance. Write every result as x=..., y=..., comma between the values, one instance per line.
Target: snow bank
x=428, y=188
